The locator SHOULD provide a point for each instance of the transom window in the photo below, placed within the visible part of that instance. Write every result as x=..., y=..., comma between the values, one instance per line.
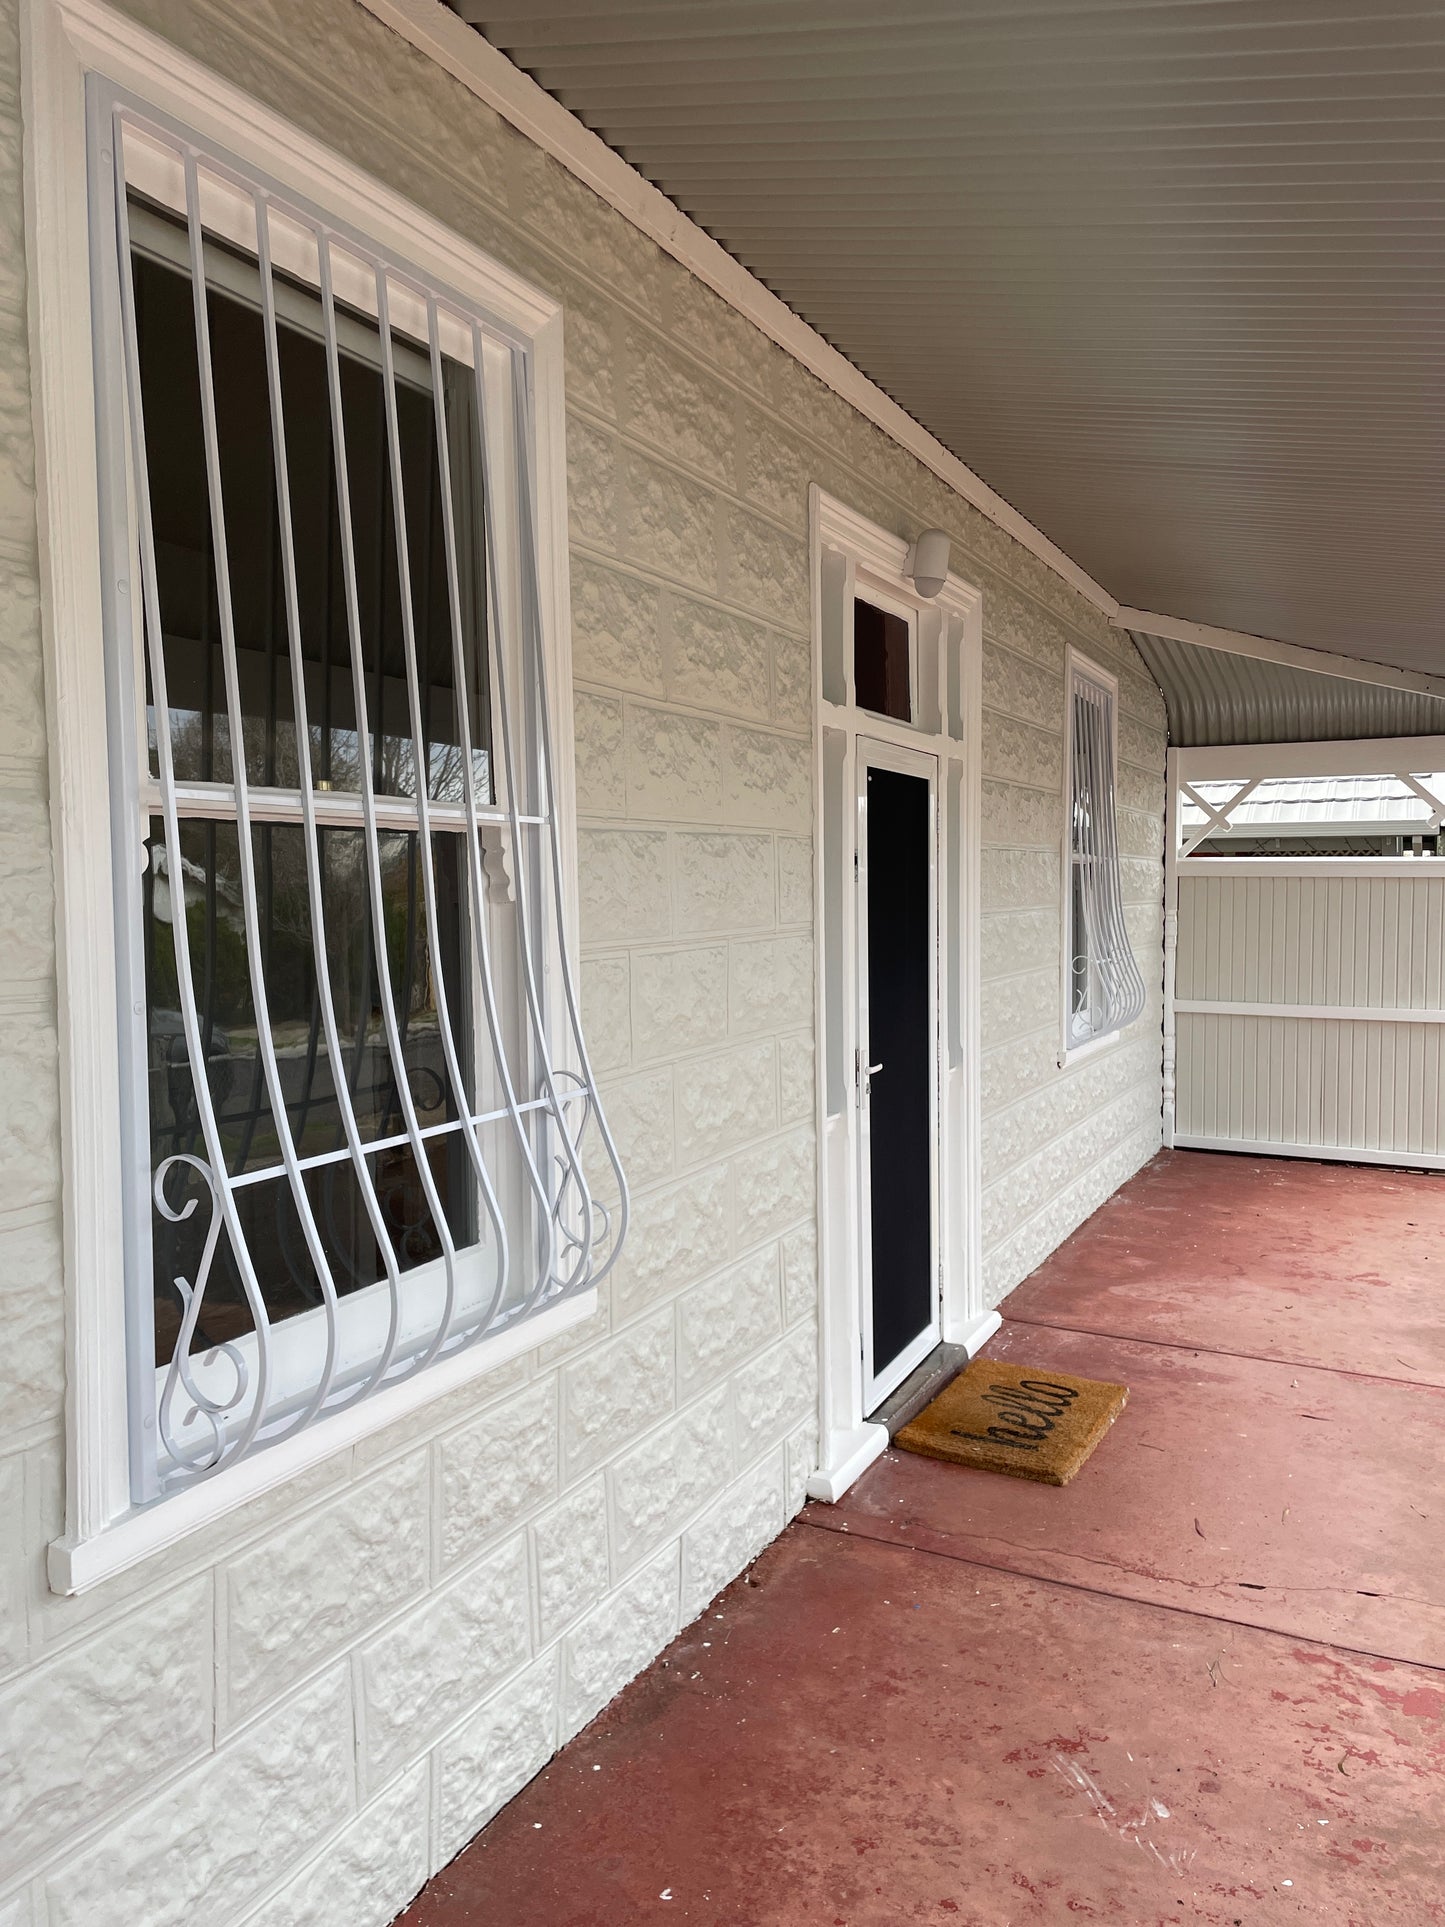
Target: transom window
x=357, y=1095
x=1104, y=990
x=883, y=660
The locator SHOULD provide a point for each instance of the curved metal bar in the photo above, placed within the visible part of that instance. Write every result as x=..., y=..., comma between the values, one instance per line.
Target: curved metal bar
x=529, y=975
x=524, y=441
x=265, y=1044
x=423, y=799
x=478, y=880
x=368, y=801
x=180, y=934
x=315, y=881
x=193, y=1292
x=535, y=1180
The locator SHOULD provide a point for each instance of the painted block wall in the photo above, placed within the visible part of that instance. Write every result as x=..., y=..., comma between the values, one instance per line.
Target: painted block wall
x=304, y=1710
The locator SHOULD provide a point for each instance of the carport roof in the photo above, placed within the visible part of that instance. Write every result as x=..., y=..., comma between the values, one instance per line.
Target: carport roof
x=1167, y=274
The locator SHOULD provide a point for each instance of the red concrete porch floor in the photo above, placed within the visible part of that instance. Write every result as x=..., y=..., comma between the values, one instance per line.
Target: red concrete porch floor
x=1203, y=1683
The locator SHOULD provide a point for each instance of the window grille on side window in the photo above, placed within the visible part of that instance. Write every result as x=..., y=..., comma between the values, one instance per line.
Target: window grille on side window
x=1105, y=989
x=361, y=1126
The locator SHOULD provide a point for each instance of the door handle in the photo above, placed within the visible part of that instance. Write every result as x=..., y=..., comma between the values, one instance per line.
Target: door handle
x=873, y=1069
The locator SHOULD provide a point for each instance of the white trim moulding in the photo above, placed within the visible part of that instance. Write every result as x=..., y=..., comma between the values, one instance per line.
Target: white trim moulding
x=436, y=31
x=1341, y=1013
x=1336, y=1153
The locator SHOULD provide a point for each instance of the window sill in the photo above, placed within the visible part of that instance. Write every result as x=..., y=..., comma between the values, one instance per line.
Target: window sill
x=1074, y=1053
x=75, y=1565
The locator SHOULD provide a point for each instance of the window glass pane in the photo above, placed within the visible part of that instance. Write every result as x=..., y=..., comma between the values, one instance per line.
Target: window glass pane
x=205, y=874
x=882, y=661
x=185, y=552
x=1106, y=990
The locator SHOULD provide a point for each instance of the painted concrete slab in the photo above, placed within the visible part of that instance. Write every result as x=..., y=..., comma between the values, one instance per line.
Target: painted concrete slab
x=1324, y=1264
x=1268, y=1494
x=1202, y=1683
x=867, y=1735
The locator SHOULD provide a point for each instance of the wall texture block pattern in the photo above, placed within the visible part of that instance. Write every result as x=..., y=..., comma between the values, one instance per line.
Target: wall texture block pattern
x=302, y=1710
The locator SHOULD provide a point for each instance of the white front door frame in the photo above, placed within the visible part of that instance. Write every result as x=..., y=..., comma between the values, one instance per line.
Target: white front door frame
x=850, y=554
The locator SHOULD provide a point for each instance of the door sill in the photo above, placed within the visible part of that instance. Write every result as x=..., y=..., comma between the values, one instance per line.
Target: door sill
x=931, y=1375
x=898, y=1370
x=922, y=1384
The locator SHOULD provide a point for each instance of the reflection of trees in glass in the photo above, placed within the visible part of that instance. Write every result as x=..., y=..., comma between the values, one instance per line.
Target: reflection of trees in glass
x=337, y=753
x=185, y=550
x=207, y=876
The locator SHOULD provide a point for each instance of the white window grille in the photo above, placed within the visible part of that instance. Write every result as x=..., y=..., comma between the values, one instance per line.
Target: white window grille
x=361, y=1128
x=1104, y=988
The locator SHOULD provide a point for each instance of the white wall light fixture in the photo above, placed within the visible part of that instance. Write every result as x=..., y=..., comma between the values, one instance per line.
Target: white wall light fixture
x=927, y=564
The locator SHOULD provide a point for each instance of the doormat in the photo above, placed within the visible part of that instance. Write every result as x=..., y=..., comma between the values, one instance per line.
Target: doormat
x=1020, y=1419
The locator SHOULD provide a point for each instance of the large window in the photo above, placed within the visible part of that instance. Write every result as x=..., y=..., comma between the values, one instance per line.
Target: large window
x=1103, y=988
x=356, y=1099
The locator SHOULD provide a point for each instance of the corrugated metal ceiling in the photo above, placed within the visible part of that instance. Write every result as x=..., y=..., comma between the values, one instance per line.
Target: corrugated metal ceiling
x=1168, y=274
x=1217, y=698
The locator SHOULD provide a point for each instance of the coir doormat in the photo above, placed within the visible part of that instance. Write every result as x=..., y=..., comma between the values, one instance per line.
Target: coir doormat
x=1019, y=1419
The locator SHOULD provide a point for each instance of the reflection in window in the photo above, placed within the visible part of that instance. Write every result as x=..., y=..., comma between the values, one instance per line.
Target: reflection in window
x=185, y=552
x=1105, y=989
x=205, y=876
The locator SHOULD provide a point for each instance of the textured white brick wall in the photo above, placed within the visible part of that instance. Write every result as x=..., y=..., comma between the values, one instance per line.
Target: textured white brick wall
x=302, y=1711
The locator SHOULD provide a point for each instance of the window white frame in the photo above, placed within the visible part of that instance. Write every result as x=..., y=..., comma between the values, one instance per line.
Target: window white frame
x=1079, y=667
x=851, y=555
x=64, y=42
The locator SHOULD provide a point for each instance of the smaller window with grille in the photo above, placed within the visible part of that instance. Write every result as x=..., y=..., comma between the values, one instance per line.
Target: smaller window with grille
x=1104, y=990
x=359, y=1121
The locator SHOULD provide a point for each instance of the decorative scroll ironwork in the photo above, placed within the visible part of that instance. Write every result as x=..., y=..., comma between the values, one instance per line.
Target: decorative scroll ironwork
x=404, y=1167
x=1106, y=991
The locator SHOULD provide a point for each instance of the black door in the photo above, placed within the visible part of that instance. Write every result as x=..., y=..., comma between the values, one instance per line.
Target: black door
x=900, y=1043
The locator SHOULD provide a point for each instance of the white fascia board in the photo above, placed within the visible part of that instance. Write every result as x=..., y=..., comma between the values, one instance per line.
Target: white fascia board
x=1290, y=655
x=437, y=32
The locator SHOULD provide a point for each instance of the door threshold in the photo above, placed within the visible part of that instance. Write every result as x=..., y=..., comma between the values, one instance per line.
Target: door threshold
x=922, y=1385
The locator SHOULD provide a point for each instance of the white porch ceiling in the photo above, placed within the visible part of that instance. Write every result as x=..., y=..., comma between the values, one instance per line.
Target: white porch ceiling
x=1167, y=274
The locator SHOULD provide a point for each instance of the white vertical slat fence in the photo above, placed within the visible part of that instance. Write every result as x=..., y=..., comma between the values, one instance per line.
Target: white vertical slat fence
x=1305, y=996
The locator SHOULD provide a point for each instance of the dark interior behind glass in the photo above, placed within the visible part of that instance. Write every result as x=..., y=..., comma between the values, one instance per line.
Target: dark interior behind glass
x=202, y=879
x=882, y=661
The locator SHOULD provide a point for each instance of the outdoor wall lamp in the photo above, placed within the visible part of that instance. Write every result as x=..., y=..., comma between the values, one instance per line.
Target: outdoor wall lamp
x=927, y=564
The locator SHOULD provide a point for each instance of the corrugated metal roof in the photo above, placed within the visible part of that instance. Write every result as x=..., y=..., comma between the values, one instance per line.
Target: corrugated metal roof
x=1319, y=804
x=1167, y=273
x=1213, y=697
